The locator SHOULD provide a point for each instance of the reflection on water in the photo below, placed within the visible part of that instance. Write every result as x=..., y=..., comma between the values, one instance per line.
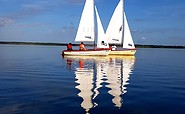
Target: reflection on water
x=92, y=72
x=84, y=78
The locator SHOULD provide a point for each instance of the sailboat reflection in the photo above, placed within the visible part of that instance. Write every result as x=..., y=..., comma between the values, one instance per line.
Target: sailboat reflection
x=92, y=72
x=117, y=77
x=84, y=79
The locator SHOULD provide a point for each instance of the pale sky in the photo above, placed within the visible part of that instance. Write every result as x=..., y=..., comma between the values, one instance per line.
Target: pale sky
x=157, y=22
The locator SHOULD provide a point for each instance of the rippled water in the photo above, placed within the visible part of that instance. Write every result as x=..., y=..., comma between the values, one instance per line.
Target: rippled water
x=37, y=80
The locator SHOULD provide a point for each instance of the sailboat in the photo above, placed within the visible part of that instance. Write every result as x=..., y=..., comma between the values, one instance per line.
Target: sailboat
x=118, y=32
x=86, y=33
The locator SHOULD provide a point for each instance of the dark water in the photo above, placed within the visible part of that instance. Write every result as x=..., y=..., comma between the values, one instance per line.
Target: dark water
x=37, y=80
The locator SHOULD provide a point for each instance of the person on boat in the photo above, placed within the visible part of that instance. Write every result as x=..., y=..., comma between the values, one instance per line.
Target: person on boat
x=82, y=47
x=69, y=46
x=103, y=43
x=114, y=47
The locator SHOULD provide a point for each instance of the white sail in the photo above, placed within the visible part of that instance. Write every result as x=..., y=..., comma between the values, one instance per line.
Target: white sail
x=114, y=33
x=86, y=27
x=102, y=41
x=127, y=41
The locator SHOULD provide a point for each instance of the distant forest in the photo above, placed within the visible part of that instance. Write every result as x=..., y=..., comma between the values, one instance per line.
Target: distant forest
x=64, y=44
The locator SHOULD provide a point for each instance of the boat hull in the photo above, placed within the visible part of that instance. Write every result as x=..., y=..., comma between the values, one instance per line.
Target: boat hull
x=92, y=52
x=128, y=52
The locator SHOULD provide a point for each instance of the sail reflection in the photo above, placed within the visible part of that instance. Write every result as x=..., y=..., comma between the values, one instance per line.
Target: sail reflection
x=92, y=72
x=118, y=76
x=84, y=79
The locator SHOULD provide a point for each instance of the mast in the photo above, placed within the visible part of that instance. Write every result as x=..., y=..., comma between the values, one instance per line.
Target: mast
x=123, y=23
x=94, y=26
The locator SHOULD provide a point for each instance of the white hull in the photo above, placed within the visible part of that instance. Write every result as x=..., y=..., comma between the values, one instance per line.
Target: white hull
x=129, y=52
x=99, y=58
x=86, y=52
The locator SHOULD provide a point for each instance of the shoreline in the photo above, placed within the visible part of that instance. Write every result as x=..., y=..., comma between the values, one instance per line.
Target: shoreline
x=76, y=44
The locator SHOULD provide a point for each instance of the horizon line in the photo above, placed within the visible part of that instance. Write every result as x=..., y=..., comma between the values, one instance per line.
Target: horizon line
x=76, y=44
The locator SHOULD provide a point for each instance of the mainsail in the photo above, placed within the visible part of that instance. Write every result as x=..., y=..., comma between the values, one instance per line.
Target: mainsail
x=86, y=31
x=114, y=33
x=118, y=31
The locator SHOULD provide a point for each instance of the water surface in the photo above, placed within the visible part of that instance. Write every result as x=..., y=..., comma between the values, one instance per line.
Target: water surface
x=38, y=80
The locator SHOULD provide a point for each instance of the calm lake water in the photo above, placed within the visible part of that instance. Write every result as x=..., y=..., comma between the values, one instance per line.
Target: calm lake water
x=37, y=80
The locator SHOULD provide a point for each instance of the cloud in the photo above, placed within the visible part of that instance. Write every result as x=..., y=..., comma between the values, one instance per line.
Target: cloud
x=135, y=31
x=55, y=3
x=143, y=38
x=32, y=7
x=70, y=28
x=5, y=21
x=167, y=11
x=139, y=20
x=75, y=1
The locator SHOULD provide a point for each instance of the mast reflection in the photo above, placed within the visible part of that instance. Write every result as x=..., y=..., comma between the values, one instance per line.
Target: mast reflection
x=93, y=71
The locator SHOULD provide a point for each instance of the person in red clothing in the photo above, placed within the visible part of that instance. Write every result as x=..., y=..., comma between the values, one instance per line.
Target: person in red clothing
x=82, y=47
x=69, y=46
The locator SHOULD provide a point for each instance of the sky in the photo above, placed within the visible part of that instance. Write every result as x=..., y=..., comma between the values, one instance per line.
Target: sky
x=157, y=22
